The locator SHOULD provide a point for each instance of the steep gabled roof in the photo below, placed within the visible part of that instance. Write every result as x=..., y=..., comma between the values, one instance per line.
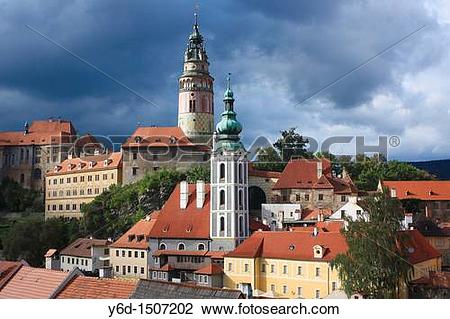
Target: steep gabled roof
x=82, y=164
x=169, y=136
x=416, y=247
x=137, y=236
x=210, y=269
x=189, y=223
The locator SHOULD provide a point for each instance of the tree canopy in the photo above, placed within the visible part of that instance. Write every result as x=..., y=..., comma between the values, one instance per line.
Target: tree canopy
x=374, y=265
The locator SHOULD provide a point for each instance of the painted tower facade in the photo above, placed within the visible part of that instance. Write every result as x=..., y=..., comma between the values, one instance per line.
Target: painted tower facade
x=196, y=97
x=229, y=182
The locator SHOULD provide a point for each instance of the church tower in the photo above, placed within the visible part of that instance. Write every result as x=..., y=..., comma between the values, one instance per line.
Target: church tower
x=196, y=97
x=229, y=181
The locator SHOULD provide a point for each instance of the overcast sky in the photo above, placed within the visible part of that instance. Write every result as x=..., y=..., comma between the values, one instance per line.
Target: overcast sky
x=278, y=55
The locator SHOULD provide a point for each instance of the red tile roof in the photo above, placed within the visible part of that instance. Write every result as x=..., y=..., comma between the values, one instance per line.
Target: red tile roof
x=33, y=283
x=50, y=253
x=303, y=174
x=256, y=225
x=252, y=171
x=40, y=133
x=423, y=190
x=97, y=288
x=170, y=136
x=325, y=226
x=211, y=269
x=192, y=222
x=416, y=247
x=82, y=247
x=292, y=245
x=82, y=164
x=137, y=236
x=313, y=213
x=8, y=269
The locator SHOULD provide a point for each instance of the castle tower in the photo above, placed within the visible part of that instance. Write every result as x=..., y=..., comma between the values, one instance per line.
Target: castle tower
x=229, y=182
x=196, y=97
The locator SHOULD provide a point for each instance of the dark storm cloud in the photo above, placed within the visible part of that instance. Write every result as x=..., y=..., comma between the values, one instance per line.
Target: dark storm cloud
x=279, y=54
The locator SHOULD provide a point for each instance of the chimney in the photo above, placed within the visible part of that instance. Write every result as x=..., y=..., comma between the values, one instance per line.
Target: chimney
x=200, y=193
x=319, y=169
x=320, y=217
x=184, y=195
x=25, y=128
x=96, y=152
x=70, y=155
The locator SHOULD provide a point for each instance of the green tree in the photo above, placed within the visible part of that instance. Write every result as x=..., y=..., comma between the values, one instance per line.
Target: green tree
x=374, y=265
x=198, y=173
x=292, y=145
x=268, y=159
x=15, y=198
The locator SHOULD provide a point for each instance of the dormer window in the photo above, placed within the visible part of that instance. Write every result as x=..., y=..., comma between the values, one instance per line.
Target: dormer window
x=92, y=164
x=80, y=165
x=69, y=167
x=106, y=162
x=138, y=139
x=318, y=251
x=140, y=238
x=57, y=168
x=131, y=237
x=172, y=139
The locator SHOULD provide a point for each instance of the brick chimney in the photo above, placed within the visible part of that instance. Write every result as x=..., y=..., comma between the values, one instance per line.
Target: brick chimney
x=200, y=193
x=319, y=169
x=184, y=194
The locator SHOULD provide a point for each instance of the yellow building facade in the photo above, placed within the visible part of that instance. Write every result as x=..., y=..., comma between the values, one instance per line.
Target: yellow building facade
x=286, y=264
x=77, y=181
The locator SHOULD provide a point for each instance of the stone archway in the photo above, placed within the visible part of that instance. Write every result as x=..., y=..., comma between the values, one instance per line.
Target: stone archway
x=256, y=197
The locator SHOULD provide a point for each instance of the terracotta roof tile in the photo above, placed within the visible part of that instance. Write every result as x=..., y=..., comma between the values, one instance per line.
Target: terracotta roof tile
x=303, y=174
x=82, y=164
x=211, y=269
x=292, y=245
x=416, y=247
x=252, y=171
x=137, y=236
x=256, y=225
x=82, y=247
x=97, y=288
x=192, y=222
x=50, y=253
x=33, y=283
x=41, y=133
x=170, y=136
x=423, y=190
x=313, y=213
x=8, y=269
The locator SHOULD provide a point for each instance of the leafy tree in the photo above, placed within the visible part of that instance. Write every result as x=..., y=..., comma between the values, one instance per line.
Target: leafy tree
x=15, y=198
x=198, y=173
x=292, y=145
x=374, y=265
x=268, y=159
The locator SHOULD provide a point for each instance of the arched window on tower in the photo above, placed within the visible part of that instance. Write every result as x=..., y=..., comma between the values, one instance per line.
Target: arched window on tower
x=222, y=199
x=241, y=171
x=241, y=199
x=241, y=226
x=221, y=226
x=222, y=172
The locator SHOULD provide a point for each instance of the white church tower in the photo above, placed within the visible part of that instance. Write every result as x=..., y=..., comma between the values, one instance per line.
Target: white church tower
x=229, y=182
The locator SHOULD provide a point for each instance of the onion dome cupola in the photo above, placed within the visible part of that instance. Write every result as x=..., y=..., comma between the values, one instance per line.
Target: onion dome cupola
x=228, y=128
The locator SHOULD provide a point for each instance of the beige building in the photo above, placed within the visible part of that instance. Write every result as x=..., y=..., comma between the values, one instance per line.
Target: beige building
x=129, y=255
x=77, y=181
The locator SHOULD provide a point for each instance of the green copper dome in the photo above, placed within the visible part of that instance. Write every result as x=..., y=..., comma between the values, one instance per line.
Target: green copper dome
x=228, y=125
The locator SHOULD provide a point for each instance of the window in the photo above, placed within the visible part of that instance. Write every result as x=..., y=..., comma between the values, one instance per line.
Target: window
x=320, y=196
x=134, y=156
x=75, y=179
x=129, y=269
x=333, y=286
x=263, y=268
x=181, y=246
x=272, y=287
x=317, y=294
x=201, y=247
x=285, y=269
x=68, y=180
x=343, y=198
x=299, y=291
x=307, y=197
x=142, y=254
x=285, y=289
x=96, y=191
x=142, y=270
x=317, y=272
x=162, y=246
x=272, y=268
x=90, y=178
x=299, y=270
x=222, y=198
x=117, y=269
x=230, y=266
x=82, y=179
x=67, y=206
x=117, y=253
x=74, y=206
x=135, y=269
x=135, y=254
x=222, y=171
x=97, y=178
x=241, y=178
x=129, y=254
x=124, y=270
x=246, y=268
x=105, y=176
x=135, y=170
x=297, y=197
x=222, y=224
x=123, y=253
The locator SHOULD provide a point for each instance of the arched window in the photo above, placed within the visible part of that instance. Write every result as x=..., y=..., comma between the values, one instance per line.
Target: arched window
x=222, y=224
x=181, y=246
x=222, y=198
x=241, y=226
x=37, y=173
x=241, y=199
x=241, y=178
x=201, y=247
x=222, y=171
x=162, y=246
